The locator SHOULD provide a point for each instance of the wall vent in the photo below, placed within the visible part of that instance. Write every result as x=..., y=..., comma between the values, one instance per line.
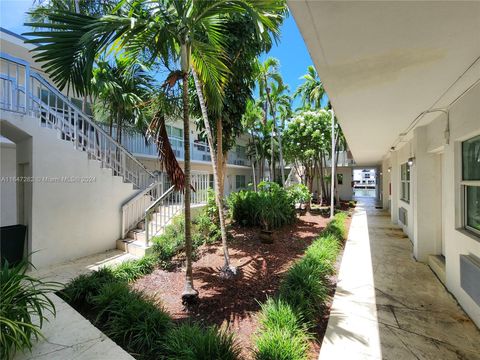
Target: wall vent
x=470, y=276
x=403, y=216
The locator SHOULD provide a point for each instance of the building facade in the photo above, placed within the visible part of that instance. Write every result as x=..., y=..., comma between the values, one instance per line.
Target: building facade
x=404, y=80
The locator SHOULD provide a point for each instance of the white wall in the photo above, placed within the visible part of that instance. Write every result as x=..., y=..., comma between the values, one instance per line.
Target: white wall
x=436, y=192
x=66, y=220
x=8, y=189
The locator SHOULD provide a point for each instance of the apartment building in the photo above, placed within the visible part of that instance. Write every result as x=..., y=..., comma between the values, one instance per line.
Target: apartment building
x=404, y=80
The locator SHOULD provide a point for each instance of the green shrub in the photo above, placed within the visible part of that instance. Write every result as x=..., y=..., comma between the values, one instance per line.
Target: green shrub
x=337, y=227
x=192, y=342
x=80, y=290
x=167, y=245
x=323, y=253
x=279, y=344
x=243, y=207
x=276, y=313
x=299, y=193
x=207, y=223
x=24, y=307
x=304, y=289
x=131, y=320
x=133, y=269
x=270, y=207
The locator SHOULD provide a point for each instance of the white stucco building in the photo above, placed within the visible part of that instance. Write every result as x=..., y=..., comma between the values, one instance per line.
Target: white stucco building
x=413, y=68
x=75, y=189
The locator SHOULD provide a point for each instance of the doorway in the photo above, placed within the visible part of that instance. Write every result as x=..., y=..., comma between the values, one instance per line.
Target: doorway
x=365, y=183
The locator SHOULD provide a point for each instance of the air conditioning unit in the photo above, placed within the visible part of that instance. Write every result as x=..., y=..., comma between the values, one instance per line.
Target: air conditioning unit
x=403, y=216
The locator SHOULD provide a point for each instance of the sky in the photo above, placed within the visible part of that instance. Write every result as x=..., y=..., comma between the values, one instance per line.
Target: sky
x=290, y=51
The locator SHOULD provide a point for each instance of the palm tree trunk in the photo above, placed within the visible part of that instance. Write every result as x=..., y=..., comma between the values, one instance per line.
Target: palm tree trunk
x=322, y=177
x=337, y=152
x=227, y=270
x=253, y=163
x=189, y=293
x=272, y=152
x=282, y=169
x=219, y=153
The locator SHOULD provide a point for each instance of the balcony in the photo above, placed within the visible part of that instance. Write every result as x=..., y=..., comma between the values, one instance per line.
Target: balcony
x=199, y=151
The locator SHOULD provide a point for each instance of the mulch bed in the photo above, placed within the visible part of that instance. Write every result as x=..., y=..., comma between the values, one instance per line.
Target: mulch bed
x=235, y=302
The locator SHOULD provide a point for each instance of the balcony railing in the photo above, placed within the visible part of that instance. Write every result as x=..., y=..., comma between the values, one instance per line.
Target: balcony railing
x=138, y=145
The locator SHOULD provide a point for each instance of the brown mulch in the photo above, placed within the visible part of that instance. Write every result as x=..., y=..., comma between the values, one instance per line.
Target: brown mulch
x=235, y=302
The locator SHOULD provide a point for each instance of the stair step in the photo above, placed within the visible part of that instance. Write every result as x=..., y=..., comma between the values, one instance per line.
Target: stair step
x=134, y=247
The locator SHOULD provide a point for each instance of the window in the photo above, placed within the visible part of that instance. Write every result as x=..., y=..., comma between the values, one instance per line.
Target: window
x=240, y=181
x=471, y=183
x=210, y=181
x=405, y=182
x=366, y=176
x=340, y=179
x=174, y=131
x=241, y=152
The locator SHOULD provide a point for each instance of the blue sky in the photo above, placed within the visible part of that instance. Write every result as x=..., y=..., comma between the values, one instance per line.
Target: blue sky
x=291, y=50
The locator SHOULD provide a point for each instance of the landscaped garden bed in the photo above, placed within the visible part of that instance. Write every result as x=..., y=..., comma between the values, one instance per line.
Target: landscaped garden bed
x=279, y=300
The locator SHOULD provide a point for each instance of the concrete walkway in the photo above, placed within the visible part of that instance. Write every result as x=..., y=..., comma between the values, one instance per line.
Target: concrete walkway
x=69, y=336
x=387, y=305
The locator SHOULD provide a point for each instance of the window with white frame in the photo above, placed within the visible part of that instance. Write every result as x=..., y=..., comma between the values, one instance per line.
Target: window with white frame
x=405, y=182
x=240, y=182
x=241, y=152
x=174, y=131
x=471, y=184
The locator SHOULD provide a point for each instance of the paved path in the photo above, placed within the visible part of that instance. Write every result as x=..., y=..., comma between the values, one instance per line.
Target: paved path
x=69, y=336
x=387, y=305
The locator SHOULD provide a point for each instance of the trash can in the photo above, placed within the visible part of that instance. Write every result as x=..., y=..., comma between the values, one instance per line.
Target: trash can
x=12, y=243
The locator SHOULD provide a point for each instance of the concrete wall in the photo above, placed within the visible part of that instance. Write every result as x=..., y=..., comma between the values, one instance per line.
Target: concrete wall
x=66, y=220
x=8, y=189
x=435, y=209
x=345, y=190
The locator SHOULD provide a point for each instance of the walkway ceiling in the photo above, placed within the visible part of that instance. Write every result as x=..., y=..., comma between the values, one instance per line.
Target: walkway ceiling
x=384, y=63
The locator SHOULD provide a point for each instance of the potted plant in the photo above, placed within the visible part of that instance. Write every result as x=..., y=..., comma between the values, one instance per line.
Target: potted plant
x=267, y=218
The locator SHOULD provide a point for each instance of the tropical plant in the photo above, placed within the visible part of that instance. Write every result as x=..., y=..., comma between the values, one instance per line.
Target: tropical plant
x=270, y=207
x=192, y=342
x=299, y=193
x=307, y=140
x=187, y=34
x=250, y=122
x=24, y=308
x=120, y=89
x=268, y=75
x=131, y=319
x=280, y=344
x=311, y=91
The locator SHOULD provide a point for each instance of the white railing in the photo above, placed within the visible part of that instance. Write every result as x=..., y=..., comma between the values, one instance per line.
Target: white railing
x=136, y=143
x=160, y=213
x=157, y=208
x=133, y=211
x=28, y=92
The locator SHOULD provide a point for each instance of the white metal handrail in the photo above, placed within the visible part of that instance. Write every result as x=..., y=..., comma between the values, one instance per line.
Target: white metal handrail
x=28, y=92
x=161, y=211
x=133, y=211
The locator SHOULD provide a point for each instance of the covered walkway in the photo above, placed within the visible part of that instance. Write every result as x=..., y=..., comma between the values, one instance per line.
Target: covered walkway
x=387, y=305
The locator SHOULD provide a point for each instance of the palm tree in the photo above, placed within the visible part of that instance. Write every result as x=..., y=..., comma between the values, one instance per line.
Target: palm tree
x=188, y=33
x=250, y=121
x=268, y=74
x=311, y=91
x=120, y=90
x=279, y=99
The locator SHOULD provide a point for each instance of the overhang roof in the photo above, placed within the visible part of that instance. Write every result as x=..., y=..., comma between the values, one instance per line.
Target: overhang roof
x=385, y=63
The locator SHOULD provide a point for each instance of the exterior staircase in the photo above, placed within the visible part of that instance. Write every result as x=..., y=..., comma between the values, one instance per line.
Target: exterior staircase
x=154, y=206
